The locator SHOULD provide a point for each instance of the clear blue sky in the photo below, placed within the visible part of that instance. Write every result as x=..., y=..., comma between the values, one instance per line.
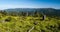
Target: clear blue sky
x=5, y=4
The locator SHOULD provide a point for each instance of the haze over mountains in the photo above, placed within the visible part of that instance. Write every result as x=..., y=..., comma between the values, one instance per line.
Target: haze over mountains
x=46, y=11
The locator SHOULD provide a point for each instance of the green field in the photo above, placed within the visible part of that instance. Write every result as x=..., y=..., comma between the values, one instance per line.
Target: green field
x=30, y=21
x=29, y=24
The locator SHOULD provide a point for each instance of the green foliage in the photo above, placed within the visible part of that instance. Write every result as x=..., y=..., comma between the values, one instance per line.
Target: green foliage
x=24, y=22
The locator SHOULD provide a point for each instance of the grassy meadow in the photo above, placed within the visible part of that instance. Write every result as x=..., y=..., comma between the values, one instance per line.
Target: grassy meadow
x=25, y=24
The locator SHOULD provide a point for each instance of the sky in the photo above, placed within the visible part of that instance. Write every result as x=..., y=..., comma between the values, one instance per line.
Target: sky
x=6, y=4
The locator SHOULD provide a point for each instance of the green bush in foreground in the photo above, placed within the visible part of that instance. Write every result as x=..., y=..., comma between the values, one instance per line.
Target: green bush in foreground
x=29, y=24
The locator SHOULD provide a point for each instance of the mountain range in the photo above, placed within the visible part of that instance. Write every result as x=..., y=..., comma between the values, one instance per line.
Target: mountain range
x=46, y=11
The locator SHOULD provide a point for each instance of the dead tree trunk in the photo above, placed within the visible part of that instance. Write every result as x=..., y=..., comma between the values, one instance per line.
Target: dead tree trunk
x=44, y=17
x=31, y=29
x=27, y=14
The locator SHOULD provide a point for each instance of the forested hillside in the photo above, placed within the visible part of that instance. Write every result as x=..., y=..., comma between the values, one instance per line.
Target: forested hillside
x=30, y=11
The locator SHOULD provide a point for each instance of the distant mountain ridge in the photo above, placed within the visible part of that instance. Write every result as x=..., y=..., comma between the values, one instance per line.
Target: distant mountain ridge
x=47, y=11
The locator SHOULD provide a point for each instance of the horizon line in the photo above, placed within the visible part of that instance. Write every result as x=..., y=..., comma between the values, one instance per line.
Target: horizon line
x=22, y=8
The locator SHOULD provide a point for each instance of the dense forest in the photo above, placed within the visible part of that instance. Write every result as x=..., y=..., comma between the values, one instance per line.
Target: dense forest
x=30, y=20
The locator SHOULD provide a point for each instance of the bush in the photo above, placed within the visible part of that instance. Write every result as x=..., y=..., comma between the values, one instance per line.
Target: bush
x=8, y=19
